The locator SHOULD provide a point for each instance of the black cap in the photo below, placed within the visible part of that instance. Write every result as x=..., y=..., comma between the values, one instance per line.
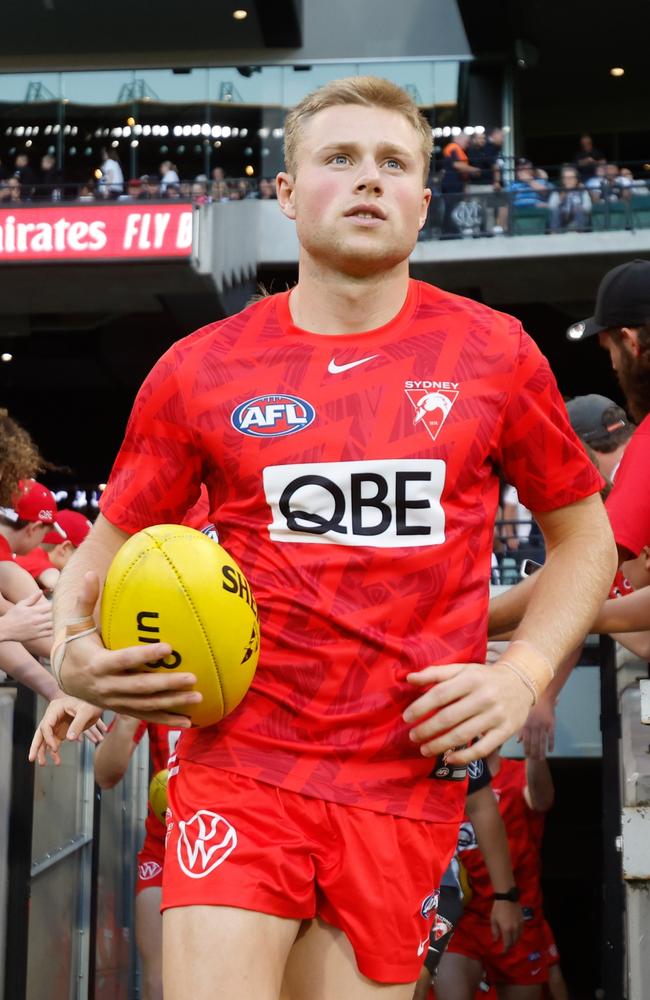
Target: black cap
x=623, y=299
x=587, y=414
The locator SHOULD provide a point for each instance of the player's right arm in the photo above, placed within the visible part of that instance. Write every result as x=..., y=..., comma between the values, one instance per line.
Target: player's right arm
x=110, y=678
x=113, y=756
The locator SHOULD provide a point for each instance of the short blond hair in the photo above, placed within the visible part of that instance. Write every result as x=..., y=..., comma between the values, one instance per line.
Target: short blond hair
x=368, y=91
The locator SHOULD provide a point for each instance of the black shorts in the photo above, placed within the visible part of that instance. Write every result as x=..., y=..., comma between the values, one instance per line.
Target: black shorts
x=450, y=909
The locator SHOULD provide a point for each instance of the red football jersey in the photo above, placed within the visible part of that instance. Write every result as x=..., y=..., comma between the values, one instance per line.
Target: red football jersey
x=354, y=479
x=524, y=829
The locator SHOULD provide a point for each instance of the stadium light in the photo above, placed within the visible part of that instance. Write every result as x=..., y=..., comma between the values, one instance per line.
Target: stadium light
x=240, y=15
x=617, y=71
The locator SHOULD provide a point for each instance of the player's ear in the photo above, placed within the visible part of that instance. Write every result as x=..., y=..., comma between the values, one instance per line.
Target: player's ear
x=630, y=335
x=285, y=188
x=426, y=201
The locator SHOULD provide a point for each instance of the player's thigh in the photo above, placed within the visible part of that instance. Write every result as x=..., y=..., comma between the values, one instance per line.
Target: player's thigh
x=224, y=953
x=423, y=985
x=148, y=939
x=458, y=977
x=322, y=966
x=556, y=987
x=510, y=992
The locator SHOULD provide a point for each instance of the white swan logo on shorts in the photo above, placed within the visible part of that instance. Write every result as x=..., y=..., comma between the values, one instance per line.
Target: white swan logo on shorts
x=204, y=843
x=432, y=402
x=148, y=870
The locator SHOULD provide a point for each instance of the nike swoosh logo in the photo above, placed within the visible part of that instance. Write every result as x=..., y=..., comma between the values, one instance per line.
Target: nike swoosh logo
x=422, y=946
x=335, y=369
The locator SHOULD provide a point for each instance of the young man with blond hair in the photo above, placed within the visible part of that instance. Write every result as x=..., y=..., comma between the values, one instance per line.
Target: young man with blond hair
x=348, y=432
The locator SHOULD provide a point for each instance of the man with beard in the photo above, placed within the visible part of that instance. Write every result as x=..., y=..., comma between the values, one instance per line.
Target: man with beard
x=622, y=323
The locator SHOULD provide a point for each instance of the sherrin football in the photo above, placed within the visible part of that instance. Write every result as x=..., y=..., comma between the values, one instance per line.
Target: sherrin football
x=158, y=795
x=170, y=583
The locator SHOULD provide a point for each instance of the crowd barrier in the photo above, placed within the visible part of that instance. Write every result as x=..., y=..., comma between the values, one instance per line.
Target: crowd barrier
x=67, y=867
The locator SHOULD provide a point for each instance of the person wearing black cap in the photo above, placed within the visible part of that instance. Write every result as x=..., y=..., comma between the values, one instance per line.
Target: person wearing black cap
x=622, y=322
x=600, y=423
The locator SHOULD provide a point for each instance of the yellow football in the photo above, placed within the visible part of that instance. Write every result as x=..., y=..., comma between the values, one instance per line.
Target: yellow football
x=158, y=795
x=170, y=583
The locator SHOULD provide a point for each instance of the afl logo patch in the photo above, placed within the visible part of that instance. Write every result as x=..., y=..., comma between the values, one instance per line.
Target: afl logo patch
x=274, y=415
x=430, y=903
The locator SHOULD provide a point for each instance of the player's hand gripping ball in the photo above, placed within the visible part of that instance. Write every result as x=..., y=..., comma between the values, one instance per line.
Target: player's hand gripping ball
x=170, y=583
x=158, y=795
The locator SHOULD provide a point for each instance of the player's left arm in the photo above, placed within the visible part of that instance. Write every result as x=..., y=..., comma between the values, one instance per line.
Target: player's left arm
x=539, y=792
x=506, y=918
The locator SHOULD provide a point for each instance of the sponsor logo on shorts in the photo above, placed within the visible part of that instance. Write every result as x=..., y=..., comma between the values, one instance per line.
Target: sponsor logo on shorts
x=204, y=843
x=430, y=903
x=148, y=870
x=534, y=956
x=432, y=402
x=386, y=503
x=273, y=415
x=422, y=945
x=475, y=769
x=528, y=912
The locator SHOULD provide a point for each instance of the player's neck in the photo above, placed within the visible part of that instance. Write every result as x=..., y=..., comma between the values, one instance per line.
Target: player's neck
x=326, y=301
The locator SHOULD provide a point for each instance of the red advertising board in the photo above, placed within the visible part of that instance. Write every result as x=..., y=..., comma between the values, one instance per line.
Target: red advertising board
x=96, y=232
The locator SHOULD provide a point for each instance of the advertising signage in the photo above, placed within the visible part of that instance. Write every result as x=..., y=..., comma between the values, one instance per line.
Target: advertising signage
x=98, y=231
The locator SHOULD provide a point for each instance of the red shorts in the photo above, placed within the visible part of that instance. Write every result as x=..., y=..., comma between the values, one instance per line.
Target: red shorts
x=552, y=954
x=150, y=862
x=525, y=964
x=235, y=841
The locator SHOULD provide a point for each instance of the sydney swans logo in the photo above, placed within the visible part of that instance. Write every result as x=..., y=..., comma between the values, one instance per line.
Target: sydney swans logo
x=204, y=843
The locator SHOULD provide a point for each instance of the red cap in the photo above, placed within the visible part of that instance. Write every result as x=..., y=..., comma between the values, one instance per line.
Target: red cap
x=73, y=527
x=32, y=502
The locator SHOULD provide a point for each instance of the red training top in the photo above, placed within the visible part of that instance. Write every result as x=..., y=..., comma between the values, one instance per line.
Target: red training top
x=354, y=479
x=628, y=504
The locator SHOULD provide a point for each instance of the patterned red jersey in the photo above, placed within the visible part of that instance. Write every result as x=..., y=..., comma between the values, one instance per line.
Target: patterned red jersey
x=354, y=479
x=524, y=829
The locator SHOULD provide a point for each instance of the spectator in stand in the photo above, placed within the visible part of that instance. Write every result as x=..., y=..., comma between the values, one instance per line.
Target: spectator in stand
x=150, y=187
x=134, y=190
x=587, y=158
x=456, y=171
x=529, y=188
x=571, y=205
x=265, y=189
x=637, y=185
x=172, y=191
x=86, y=192
x=25, y=175
x=218, y=184
x=168, y=175
x=14, y=191
x=4, y=173
x=111, y=183
x=200, y=190
x=220, y=191
x=618, y=186
x=524, y=791
x=596, y=185
x=50, y=180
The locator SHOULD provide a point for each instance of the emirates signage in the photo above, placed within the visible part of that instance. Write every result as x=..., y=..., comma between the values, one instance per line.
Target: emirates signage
x=96, y=232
